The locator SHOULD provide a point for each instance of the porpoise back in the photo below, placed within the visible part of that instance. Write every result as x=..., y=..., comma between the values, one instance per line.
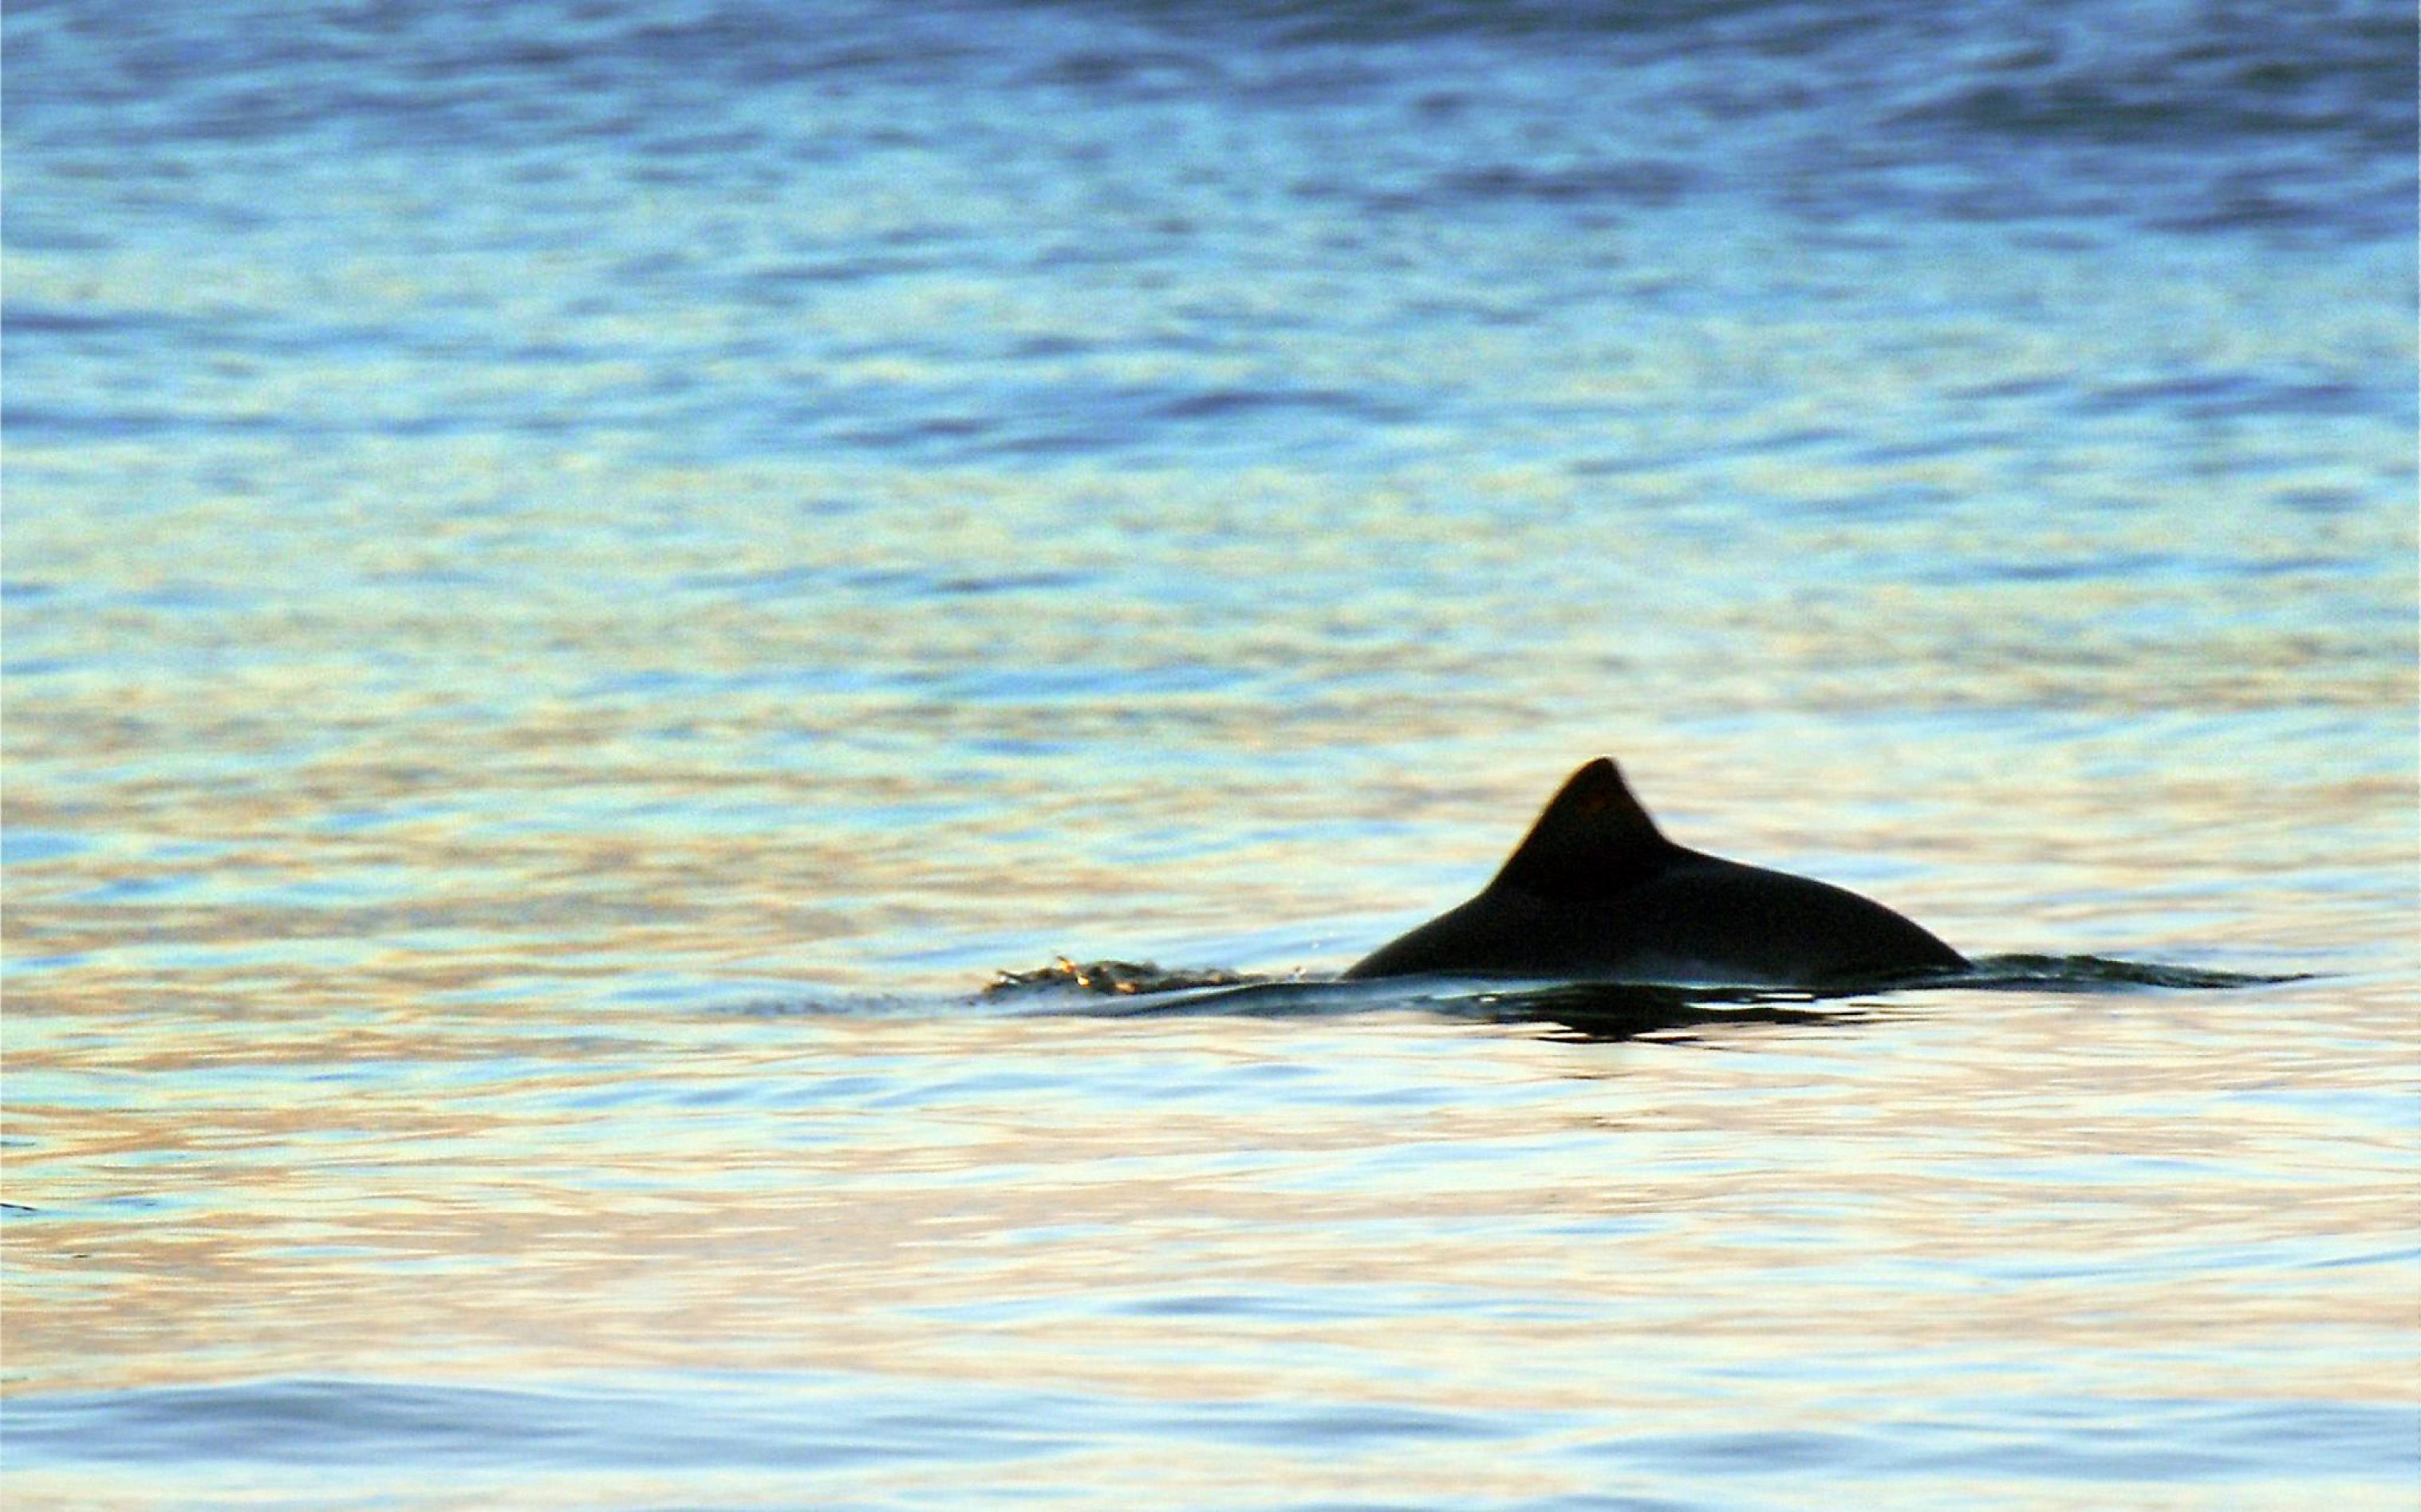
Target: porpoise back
x=1596, y=892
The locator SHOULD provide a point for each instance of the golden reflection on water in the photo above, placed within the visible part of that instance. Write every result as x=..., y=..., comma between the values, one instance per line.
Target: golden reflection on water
x=2008, y=1192
x=573, y=843
x=477, y=620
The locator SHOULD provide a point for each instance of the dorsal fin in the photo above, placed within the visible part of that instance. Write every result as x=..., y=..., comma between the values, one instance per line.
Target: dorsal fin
x=1592, y=837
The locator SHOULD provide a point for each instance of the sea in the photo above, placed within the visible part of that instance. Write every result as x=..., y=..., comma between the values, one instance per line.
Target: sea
x=701, y=695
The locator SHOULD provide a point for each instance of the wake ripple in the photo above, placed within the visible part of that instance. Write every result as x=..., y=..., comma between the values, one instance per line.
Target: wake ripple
x=2021, y=973
x=1590, y=1010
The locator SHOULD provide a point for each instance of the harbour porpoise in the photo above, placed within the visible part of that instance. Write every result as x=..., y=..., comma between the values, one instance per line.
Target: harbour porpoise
x=1596, y=892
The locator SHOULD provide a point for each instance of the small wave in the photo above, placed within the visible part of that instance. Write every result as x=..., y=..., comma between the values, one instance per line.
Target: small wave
x=1127, y=978
x=2072, y=974
x=1120, y=979
x=1586, y=1011
x=1590, y=1010
x=1642, y=182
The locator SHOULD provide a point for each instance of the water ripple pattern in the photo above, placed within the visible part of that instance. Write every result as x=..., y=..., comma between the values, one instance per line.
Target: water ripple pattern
x=580, y=578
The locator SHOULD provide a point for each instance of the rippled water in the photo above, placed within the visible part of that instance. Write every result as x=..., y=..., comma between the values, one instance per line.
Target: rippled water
x=581, y=578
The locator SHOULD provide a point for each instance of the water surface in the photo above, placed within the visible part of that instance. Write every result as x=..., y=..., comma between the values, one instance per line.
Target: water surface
x=580, y=578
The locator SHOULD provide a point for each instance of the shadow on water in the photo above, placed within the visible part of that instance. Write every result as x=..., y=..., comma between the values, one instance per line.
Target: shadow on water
x=1588, y=1010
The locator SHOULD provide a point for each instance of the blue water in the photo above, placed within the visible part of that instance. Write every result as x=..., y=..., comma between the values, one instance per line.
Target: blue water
x=581, y=578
